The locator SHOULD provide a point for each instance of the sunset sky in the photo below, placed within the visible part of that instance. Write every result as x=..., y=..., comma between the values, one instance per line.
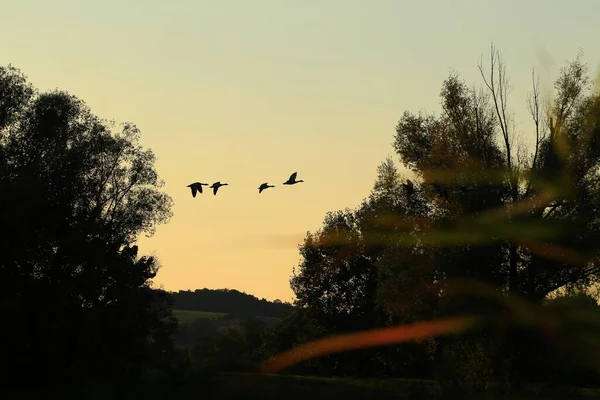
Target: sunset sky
x=247, y=92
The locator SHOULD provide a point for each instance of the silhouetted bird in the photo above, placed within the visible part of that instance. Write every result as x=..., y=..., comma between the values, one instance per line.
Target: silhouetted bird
x=264, y=186
x=292, y=180
x=196, y=187
x=409, y=186
x=215, y=186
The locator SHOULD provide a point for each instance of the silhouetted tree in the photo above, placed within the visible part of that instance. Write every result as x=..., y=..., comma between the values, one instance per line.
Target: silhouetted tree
x=340, y=282
x=372, y=266
x=238, y=348
x=565, y=156
x=75, y=197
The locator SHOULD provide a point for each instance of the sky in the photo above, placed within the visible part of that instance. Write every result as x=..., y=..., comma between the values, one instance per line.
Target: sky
x=246, y=92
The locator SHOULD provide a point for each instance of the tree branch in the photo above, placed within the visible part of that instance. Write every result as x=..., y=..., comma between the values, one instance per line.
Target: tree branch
x=533, y=106
x=499, y=95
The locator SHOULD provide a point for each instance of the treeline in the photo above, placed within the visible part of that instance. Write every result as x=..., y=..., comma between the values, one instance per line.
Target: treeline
x=229, y=301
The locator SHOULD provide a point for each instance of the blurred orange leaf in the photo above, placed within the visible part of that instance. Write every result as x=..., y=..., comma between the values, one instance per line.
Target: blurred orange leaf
x=371, y=338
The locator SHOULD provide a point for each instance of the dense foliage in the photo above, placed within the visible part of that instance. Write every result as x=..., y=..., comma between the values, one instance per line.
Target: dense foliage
x=75, y=196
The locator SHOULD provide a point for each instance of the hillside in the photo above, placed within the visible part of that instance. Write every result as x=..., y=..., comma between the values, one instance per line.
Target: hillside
x=229, y=301
x=186, y=316
x=204, y=312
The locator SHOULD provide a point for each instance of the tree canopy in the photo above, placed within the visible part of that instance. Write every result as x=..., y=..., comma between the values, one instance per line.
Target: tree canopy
x=76, y=195
x=479, y=205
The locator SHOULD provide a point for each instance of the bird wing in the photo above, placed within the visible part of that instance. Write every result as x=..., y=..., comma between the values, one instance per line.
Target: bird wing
x=260, y=189
x=293, y=177
x=215, y=188
x=200, y=188
x=193, y=191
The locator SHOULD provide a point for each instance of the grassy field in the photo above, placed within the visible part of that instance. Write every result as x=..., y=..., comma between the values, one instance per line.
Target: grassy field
x=249, y=386
x=184, y=316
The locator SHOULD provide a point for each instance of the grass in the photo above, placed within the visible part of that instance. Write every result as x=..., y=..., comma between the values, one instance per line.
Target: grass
x=185, y=316
x=250, y=386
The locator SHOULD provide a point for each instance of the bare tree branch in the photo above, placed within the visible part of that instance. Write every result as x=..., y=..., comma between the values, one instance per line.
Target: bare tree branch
x=533, y=105
x=499, y=94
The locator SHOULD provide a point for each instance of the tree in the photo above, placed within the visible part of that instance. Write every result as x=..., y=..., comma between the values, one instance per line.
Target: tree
x=480, y=206
x=340, y=282
x=462, y=142
x=75, y=197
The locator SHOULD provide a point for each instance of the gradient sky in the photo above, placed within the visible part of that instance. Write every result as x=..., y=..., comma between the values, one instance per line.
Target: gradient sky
x=250, y=91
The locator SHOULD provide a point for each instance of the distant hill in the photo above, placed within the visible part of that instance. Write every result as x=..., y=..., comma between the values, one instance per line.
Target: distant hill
x=204, y=312
x=229, y=301
x=185, y=316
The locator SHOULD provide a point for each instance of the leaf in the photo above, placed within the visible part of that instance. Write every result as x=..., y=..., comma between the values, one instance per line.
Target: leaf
x=365, y=339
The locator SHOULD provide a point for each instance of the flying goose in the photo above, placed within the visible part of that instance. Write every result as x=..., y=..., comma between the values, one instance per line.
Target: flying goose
x=292, y=180
x=215, y=186
x=264, y=186
x=196, y=187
